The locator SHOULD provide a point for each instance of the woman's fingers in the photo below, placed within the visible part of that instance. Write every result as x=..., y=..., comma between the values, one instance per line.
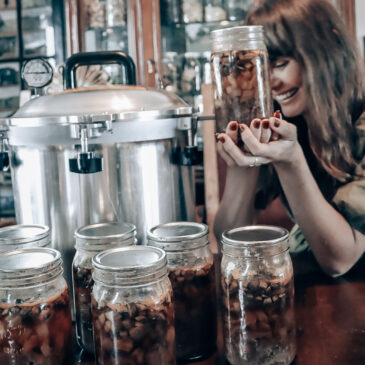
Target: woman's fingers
x=254, y=146
x=232, y=131
x=255, y=127
x=233, y=155
x=266, y=131
x=282, y=128
x=225, y=156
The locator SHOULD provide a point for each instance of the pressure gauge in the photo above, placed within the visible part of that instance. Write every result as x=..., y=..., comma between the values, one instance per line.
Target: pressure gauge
x=37, y=73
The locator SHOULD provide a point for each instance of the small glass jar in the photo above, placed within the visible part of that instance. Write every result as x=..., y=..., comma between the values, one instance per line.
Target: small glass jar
x=115, y=13
x=257, y=296
x=171, y=66
x=191, y=74
x=192, y=11
x=214, y=11
x=90, y=240
x=237, y=9
x=133, y=313
x=191, y=271
x=35, y=310
x=171, y=11
x=20, y=236
x=240, y=74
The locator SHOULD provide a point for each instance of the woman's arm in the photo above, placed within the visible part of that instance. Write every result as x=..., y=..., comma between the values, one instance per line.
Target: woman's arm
x=237, y=205
x=335, y=244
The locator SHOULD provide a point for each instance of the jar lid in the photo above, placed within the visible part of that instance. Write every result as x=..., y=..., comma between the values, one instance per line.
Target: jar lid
x=176, y=236
x=254, y=235
x=28, y=262
x=94, y=235
x=129, y=264
x=238, y=38
x=22, y=233
x=243, y=31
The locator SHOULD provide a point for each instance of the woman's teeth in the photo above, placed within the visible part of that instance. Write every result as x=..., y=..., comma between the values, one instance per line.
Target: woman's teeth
x=285, y=96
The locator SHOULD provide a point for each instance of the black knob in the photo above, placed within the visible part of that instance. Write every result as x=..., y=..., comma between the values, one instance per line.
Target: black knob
x=4, y=161
x=188, y=157
x=85, y=163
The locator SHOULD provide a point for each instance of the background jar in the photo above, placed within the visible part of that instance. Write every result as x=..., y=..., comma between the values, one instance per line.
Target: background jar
x=133, y=313
x=192, y=11
x=240, y=75
x=90, y=240
x=257, y=296
x=35, y=310
x=21, y=236
x=191, y=271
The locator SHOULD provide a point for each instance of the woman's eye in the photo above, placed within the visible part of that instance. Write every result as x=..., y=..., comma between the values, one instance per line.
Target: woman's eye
x=280, y=64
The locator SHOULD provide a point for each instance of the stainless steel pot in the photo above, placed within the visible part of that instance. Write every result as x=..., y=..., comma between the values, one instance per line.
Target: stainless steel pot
x=141, y=140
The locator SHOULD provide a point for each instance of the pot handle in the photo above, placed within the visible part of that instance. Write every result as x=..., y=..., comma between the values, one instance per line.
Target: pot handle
x=98, y=58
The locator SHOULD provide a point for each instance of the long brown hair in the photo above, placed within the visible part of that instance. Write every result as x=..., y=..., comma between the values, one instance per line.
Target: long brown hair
x=312, y=32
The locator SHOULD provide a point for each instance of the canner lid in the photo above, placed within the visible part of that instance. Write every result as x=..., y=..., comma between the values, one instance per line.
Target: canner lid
x=100, y=103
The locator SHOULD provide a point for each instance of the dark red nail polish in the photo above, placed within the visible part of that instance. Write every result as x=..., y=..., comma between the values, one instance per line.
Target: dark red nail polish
x=233, y=126
x=265, y=124
x=221, y=139
x=276, y=114
x=256, y=124
x=276, y=123
x=242, y=127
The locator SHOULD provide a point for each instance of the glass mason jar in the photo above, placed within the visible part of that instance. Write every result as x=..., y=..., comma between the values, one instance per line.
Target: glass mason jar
x=192, y=11
x=257, y=296
x=133, y=313
x=191, y=271
x=214, y=11
x=237, y=9
x=90, y=240
x=240, y=75
x=20, y=236
x=35, y=310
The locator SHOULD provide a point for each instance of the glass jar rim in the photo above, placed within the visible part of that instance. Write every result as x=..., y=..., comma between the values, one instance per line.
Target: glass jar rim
x=128, y=264
x=102, y=233
x=178, y=236
x=18, y=234
x=255, y=235
x=245, y=31
x=29, y=262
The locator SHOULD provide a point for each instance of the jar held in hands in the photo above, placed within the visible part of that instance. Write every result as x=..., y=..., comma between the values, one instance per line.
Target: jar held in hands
x=240, y=74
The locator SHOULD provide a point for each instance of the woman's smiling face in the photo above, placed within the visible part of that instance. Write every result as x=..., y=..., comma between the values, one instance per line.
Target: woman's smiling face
x=287, y=86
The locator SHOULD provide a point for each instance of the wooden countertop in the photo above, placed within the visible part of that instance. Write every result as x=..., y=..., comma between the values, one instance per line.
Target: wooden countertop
x=330, y=320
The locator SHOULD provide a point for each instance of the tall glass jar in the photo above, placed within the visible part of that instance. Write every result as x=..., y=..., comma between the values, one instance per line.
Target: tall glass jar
x=90, y=240
x=191, y=271
x=257, y=296
x=20, y=236
x=35, y=311
x=240, y=75
x=133, y=313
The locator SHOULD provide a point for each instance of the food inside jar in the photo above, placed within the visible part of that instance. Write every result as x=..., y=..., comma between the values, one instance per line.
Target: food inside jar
x=83, y=284
x=37, y=333
x=242, y=90
x=258, y=320
x=134, y=333
x=195, y=311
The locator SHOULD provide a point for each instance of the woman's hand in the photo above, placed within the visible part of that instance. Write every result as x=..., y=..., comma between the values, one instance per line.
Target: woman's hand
x=232, y=154
x=283, y=146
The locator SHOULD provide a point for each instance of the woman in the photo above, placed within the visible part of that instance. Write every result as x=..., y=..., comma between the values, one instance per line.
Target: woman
x=317, y=147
